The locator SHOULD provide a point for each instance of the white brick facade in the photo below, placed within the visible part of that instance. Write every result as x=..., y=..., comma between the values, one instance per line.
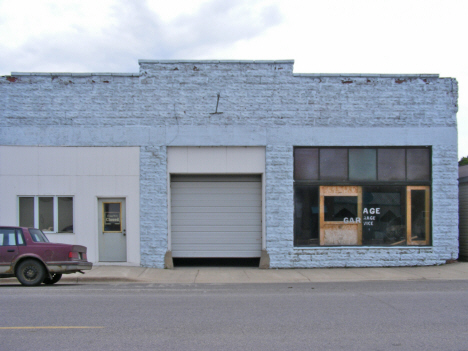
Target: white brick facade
x=261, y=103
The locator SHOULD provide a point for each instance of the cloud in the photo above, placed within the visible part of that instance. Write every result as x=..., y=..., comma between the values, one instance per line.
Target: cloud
x=132, y=30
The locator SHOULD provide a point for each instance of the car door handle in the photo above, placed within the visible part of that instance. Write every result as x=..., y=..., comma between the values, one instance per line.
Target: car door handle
x=10, y=250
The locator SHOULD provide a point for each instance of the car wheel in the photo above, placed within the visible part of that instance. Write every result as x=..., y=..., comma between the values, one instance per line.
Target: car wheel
x=30, y=272
x=55, y=278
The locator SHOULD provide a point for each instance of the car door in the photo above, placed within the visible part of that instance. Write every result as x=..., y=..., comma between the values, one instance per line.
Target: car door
x=8, y=248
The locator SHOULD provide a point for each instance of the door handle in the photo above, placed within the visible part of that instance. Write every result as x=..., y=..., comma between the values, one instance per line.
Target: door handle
x=124, y=232
x=10, y=250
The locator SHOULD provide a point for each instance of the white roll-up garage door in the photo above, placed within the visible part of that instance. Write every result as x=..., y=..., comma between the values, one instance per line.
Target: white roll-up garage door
x=216, y=216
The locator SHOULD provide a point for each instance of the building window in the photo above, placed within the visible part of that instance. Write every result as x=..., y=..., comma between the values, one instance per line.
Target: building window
x=362, y=196
x=52, y=214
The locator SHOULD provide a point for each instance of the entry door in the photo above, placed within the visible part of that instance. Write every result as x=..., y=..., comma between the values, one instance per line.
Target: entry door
x=340, y=215
x=112, y=230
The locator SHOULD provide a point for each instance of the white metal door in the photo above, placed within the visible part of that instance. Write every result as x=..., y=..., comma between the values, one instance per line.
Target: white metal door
x=216, y=216
x=112, y=230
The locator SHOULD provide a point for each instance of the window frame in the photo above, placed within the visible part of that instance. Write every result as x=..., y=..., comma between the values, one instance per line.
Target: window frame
x=406, y=183
x=55, y=212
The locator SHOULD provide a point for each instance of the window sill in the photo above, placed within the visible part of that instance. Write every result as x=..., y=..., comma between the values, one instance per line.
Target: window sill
x=354, y=247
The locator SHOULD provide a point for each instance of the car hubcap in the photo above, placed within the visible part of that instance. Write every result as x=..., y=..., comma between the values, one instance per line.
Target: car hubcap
x=30, y=272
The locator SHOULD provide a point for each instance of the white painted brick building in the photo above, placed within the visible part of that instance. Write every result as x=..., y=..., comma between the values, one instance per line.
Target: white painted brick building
x=234, y=159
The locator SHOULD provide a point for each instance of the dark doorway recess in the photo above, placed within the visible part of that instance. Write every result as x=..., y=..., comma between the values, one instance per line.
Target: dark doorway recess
x=216, y=262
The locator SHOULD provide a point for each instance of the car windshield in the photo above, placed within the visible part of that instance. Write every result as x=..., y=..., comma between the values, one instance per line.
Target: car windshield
x=37, y=236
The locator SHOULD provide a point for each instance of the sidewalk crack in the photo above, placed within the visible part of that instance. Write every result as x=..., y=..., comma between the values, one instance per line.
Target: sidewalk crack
x=195, y=279
x=310, y=281
x=145, y=270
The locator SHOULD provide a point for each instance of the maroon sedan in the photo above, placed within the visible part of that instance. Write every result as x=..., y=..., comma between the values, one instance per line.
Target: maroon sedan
x=27, y=254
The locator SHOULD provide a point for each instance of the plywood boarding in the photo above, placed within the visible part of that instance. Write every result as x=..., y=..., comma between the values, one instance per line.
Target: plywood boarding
x=340, y=233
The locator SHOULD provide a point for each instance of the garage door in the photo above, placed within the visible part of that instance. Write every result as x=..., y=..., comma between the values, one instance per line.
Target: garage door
x=216, y=216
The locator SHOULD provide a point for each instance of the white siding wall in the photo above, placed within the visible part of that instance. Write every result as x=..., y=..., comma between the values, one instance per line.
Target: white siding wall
x=85, y=173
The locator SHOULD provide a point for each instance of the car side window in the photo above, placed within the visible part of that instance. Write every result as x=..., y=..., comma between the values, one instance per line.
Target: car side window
x=20, y=237
x=7, y=237
x=38, y=236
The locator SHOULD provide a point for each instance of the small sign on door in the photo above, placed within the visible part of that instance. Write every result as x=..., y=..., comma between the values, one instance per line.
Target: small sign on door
x=112, y=217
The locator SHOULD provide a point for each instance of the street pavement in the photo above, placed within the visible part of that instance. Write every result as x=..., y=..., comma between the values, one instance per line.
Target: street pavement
x=242, y=275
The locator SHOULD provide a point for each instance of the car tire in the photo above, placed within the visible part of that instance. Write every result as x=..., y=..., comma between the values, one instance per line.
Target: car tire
x=30, y=272
x=55, y=278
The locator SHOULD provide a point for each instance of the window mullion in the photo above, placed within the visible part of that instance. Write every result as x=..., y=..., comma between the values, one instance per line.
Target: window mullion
x=56, y=214
x=36, y=211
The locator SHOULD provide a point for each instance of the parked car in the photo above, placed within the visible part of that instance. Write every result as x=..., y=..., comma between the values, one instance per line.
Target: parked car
x=27, y=254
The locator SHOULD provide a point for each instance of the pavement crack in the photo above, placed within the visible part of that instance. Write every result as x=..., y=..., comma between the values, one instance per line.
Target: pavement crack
x=196, y=276
x=383, y=302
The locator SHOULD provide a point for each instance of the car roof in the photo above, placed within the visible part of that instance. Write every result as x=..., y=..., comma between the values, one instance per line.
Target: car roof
x=13, y=226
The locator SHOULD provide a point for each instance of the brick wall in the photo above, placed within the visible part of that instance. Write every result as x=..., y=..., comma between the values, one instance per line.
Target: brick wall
x=261, y=103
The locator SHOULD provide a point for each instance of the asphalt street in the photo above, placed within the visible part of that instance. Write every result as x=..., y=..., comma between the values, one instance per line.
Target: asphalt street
x=379, y=315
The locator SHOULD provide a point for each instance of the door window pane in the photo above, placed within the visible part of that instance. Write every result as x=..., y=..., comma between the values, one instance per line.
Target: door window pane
x=306, y=164
x=111, y=214
x=46, y=214
x=337, y=208
x=418, y=215
x=383, y=217
x=26, y=211
x=65, y=214
x=306, y=216
x=362, y=164
x=334, y=164
x=418, y=164
x=391, y=164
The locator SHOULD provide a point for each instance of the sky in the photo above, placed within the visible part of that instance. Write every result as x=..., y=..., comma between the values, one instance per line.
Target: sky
x=327, y=36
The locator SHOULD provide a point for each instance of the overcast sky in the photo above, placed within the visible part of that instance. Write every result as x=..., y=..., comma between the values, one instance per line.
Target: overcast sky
x=328, y=36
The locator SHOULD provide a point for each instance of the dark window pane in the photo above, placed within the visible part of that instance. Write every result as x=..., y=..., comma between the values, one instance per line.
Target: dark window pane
x=112, y=220
x=383, y=215
x=65, y=214
x=418, y=164
x=337, y=208
x=418, y=215
x=391, y=164
x=306, y=216
x=362, y=164
x=334, y=164
x=46, y=214
x=26, y=211
x=306, y=164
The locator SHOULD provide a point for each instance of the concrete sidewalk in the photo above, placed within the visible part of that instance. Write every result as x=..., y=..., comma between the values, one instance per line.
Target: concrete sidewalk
x=226, y=275
x=239, y=275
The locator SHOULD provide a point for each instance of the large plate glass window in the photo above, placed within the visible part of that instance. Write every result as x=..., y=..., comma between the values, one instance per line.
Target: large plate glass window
x=362, y=196
x=52, y=214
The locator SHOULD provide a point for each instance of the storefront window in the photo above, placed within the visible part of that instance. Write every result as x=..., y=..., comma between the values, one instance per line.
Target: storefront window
x=306, y=219
x=391, y=164
x=362, y=196
x=383, y=217
x=362, y=164
x=333, y=164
